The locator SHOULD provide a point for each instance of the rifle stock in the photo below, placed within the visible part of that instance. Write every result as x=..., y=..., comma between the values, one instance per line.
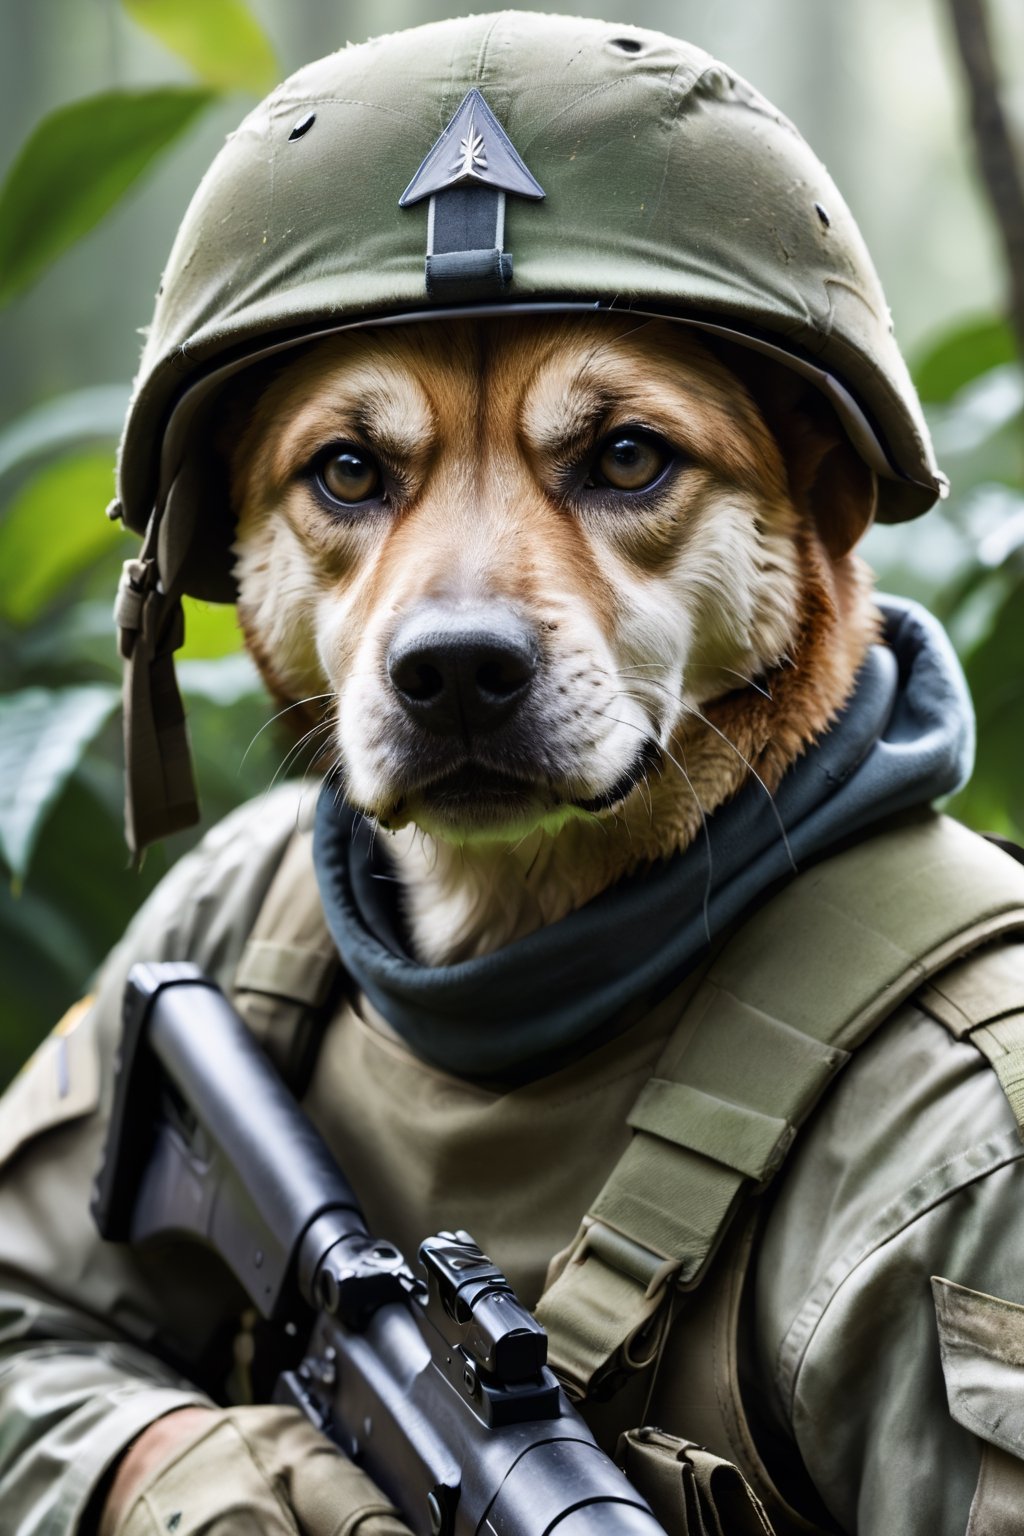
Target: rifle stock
x=436, y=1383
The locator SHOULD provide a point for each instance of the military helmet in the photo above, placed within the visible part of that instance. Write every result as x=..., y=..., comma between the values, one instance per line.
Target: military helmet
x=487, y=164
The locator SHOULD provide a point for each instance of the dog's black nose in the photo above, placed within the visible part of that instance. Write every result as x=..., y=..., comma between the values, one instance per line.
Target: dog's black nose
x=462, y=678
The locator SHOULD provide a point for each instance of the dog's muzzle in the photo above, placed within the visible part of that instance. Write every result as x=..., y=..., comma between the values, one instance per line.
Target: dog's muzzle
x=462, y=674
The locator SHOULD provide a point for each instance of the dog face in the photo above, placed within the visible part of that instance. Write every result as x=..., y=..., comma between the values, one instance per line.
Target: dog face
x=538, y=575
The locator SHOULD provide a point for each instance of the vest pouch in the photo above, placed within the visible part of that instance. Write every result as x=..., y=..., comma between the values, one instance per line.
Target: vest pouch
x=691, y=1491
x=981, y=1338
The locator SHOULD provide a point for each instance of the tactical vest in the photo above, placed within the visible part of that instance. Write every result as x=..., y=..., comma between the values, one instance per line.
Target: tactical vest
x=923, y=909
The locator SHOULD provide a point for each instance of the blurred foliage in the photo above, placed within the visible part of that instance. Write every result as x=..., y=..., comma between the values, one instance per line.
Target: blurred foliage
x=110, y=140
x=961, y=355
x=66, y=889
x=966, y=560
x=220, y=40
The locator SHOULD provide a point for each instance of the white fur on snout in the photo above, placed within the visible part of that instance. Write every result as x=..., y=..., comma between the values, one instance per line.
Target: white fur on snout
x=582, y=730
x=368, y=712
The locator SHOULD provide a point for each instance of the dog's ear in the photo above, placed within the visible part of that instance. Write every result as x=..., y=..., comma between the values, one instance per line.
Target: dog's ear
x=827, y=477
x=231, y=418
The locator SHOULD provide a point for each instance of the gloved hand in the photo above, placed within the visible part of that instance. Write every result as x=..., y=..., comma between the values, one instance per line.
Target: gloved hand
x=255, y=1471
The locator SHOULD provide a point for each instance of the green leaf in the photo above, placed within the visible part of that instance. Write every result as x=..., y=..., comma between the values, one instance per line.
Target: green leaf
x=63, y=423
x=44, y=963
x=220, y=39
x=76, y=165
x=43, y=736
x=54, y=529
x=80, y=895
x=222, y=680
x=76, y=644
x=994, y=799
x=238, y=745
x=980, y=411
x=960, y=355
x=211, y=629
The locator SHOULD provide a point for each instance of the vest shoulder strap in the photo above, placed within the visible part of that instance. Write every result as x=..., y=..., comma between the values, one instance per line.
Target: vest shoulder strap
x=981, y=999
x=286, y=978
x=802, y=983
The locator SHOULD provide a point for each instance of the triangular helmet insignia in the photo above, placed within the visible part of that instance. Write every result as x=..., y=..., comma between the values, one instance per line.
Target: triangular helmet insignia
x=474, y=148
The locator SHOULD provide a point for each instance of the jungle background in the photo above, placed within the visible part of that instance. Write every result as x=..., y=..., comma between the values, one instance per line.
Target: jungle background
x=110, y=112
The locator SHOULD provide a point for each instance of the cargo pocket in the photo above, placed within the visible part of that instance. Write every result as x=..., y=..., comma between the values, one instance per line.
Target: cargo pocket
x=982, y=1343
x=59, y=1083
x=691, y=1492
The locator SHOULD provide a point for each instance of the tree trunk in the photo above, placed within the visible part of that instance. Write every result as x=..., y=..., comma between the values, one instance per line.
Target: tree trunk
x=997, y=159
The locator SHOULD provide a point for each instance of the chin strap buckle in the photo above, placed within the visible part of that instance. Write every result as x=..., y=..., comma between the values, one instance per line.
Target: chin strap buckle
x=160, y=794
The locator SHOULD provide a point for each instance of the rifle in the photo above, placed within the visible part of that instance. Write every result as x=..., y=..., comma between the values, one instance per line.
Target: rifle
x=435, y=1383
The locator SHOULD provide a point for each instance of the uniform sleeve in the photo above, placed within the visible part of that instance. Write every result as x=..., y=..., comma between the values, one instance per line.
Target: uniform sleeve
x=889, y=1294
x=98, y=1340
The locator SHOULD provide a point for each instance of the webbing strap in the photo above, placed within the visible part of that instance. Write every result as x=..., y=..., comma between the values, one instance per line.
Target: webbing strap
x=286, y=972
x=740, y=1138
x=803, y=982
x=160, y=794
x=1003, y=1044
x=980, y=999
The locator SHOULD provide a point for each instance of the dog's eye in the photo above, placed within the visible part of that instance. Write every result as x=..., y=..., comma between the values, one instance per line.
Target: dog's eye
x=630, y=461
x=349, y=475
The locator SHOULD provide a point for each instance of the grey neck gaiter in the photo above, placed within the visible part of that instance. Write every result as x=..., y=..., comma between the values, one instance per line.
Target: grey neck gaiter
x=905, y=737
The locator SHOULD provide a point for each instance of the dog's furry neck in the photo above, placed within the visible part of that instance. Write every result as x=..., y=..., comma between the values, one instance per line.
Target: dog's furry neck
x=466, y=900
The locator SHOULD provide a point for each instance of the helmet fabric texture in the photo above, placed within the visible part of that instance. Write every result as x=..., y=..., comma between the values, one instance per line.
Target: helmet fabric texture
x=669, y=183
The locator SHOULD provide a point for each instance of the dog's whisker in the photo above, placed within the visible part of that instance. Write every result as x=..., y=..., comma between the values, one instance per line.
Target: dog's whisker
x=359, y=821
x=644, y=787
x=674, y=695
x=293, y=753
x=699, y=666
x=310, y=738
x=515, y=847
x=704, y=827
x=323, y=727
x=313, y=699
x=332, y=773
x=532, y=864
x=692, y=709
x=286, y=764
x=336, y=772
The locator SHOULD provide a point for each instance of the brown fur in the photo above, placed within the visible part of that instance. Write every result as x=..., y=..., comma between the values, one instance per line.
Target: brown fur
x=723, y=615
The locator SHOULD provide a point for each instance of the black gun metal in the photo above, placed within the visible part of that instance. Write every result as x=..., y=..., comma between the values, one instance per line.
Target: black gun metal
x=434, y=1381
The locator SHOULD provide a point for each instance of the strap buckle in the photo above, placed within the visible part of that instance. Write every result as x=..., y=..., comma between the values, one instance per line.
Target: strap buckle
x=648, y=1270
x=136, y=583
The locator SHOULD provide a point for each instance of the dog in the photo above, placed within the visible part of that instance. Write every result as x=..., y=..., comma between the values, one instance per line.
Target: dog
x=543, y=594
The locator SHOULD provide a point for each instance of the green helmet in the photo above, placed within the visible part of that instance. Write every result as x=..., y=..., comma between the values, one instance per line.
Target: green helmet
x=488, y=164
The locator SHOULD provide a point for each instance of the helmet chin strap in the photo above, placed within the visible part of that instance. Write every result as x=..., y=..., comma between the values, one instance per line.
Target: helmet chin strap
x=160, y=792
